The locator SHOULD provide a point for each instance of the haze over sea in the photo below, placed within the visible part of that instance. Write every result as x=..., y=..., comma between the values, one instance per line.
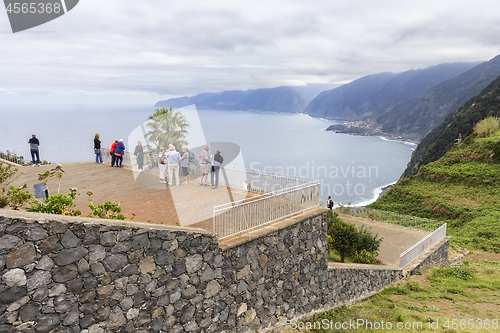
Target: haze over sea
x=353, y=169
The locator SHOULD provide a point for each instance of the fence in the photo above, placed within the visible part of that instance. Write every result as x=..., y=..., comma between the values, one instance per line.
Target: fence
x=52, y=155
x=281, y=197
x=437, y=229
x=259, y=182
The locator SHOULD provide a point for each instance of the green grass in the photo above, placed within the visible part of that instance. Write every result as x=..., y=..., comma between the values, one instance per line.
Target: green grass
x=462, y=189
x=439, y=295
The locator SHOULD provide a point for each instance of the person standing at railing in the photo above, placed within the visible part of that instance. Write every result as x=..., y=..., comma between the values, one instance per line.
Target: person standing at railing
x=34, y=143
x=112, y=152
x=185, y=164
x=139, y=153
x=204, y=166
x=217, y=160
x=162, y=164
x=119, y=151
x=97, y=149
x=173, y=158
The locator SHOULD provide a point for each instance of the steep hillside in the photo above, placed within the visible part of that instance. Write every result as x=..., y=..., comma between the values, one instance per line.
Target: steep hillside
x=460, y=122
x=415, y=122
x=462, y=188
x=351, y=101
x=384, y=93
x=280, y=99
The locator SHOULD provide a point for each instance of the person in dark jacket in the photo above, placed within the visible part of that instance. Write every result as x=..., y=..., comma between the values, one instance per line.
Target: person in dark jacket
x=34, y=143
x=139, y=153
x=97, y=149
x=112, y=152
x=217, y=161
x=119, y=152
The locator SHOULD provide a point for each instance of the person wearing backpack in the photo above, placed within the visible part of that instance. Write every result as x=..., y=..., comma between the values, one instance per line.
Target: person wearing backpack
x=329, y=203
x=217, y=161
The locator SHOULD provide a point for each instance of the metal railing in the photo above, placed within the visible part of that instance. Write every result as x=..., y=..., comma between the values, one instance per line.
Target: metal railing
x=436, y=228
x=259, y=182
x=254, y=211
x=51, y=155
x=416, y=250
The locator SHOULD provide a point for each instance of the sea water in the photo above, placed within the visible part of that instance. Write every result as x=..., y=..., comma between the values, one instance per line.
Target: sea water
x=353, y=169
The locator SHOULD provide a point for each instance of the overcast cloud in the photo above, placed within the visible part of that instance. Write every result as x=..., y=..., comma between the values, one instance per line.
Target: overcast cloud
x=123, y=51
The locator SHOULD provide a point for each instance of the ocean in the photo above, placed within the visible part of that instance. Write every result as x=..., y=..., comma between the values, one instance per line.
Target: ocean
x=353, y=169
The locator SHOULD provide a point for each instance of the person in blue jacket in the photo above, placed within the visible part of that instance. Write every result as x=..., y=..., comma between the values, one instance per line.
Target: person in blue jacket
x=34, y=143
x=119, y=151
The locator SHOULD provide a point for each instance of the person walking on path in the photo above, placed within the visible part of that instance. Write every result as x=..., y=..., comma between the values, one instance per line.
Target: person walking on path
x=97, y=149
x=185, y=164
x=112, y=152
x=34, y=143
x=119, y=152
x=204, y=165
x=329, y=203
x=162, y=164
x=139, y=153
x=173, y=158
x=217, y=161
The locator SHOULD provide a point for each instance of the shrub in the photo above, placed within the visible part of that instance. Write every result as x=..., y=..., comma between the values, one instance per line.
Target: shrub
x=344, y=238
x=12, y=157
x=7, y=171
x=61, y=204
x=360, y=245
x=18, y=197
x=487, y=126
x=107, y=210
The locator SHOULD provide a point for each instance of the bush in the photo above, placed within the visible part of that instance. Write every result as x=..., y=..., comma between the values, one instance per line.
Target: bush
x=360, y=245
x=61, y=204
x=344, y=238
x=487, y=126
x=12, y=157
x=107, y=210
x=18, y=197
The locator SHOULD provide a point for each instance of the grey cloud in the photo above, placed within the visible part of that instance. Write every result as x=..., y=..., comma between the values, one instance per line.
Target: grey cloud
x=154, y=49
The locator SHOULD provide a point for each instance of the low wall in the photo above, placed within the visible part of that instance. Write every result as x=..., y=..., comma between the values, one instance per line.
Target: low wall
x=91, y=275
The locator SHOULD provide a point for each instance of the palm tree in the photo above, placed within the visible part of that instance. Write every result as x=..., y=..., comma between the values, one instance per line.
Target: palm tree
x=167, y=126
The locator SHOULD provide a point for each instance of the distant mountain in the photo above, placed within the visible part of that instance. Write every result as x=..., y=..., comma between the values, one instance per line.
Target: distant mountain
x=377, y=94
x=281, y=99
x=351, y=101
x=460, y=122
x=415, y=120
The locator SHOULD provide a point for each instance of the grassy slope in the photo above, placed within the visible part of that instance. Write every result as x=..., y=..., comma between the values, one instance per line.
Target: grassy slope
x=462, y=188
x=442, y=296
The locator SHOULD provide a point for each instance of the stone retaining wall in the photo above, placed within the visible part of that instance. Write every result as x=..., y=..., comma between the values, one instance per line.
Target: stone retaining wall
x=90, y=275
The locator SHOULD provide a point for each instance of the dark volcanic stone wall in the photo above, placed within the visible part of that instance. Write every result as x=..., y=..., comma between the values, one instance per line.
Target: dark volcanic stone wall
x=90, y=275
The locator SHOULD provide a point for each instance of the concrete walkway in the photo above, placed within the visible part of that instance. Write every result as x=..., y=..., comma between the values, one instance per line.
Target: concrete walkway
x=396, y=239
x=140, y=193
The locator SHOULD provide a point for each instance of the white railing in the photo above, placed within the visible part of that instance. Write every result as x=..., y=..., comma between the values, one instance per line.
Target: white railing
x=416, y=250
x=243, y=215
x=257, y=181
x=437, y=228
x=51, y=155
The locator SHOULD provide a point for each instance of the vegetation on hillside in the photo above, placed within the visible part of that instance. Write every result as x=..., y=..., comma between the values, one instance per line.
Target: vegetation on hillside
x=462, y=189
x=459, y=123
x=443, y=299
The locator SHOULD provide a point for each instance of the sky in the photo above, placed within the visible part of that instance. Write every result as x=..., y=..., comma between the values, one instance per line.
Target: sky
x=139, y=52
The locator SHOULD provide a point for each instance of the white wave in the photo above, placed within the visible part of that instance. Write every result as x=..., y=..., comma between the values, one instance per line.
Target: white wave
x=375, y=194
